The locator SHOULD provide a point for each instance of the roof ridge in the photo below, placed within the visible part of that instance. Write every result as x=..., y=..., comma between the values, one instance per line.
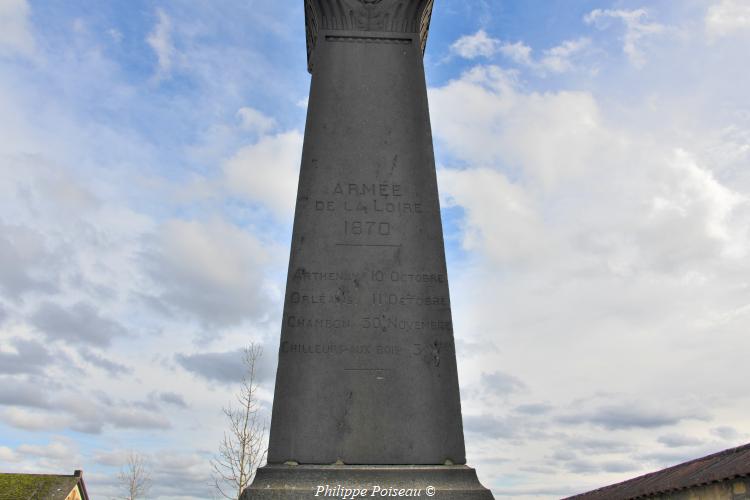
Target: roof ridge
x=663, y=473
x=38, y=474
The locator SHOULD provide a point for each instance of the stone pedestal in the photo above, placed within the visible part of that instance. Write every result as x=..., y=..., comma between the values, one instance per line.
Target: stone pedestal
x=367, y=366
x=283, y=482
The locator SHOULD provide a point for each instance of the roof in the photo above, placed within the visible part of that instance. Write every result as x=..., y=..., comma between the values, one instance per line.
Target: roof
x=727, y=464
x=40, y=486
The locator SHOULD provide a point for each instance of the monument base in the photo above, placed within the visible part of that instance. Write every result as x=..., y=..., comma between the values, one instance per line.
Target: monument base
x=297, y=482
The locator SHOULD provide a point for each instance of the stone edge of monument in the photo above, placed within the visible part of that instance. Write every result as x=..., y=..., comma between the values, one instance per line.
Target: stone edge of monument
x=292, y=482
x=316, y=22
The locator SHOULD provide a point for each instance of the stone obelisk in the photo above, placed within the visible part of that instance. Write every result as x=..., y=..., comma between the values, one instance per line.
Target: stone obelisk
x=366, y=389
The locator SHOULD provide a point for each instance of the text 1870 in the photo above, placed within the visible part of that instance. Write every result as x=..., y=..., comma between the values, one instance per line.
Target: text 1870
x=366, y=227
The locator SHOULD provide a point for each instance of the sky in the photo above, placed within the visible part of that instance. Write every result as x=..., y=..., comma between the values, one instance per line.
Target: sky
x=592, y=161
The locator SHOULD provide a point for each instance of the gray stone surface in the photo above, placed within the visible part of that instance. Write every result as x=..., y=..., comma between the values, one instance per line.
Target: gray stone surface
x=366, y=388
x=280, y=482
x=367, y=366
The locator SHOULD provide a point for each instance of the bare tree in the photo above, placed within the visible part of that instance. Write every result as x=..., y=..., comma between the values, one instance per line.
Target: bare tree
x=243, y=448
x=134, y=477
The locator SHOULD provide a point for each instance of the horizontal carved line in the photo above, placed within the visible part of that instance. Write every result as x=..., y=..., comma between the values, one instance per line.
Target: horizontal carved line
x=366, y=245
x=368, y=39
x=367, y=369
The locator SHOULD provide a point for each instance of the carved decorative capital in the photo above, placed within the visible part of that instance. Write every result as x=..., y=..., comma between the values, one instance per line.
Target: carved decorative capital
x=398, y=16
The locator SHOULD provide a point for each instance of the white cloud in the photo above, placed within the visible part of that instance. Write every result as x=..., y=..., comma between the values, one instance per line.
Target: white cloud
x=15, y=28
x=728, y=17
x=267, y=172
x=522, y=145
x=29, y=357
x=501, y=218
x=78, y=323
x=477, y=45
x=594, y=236
x=254, y=121
x=485, y=120
x=172, y=472
x=87, y=208
x=160, y=40
x=558, y=59
x=212, y=270
x=112, y=457
x=34, y=420
x=637, y=29
x=67, y=409
x=55, y=453
x=518, y=52
x=24, y=262
x=7, y=454
x=56, y=449
x=687, y=192
x=133, y=418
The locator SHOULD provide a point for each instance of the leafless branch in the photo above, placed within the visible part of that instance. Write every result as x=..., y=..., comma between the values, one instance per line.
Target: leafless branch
x=242, y=449
x=134, y=478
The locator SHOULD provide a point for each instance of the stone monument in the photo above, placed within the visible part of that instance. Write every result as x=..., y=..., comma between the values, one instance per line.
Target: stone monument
x=367, y=392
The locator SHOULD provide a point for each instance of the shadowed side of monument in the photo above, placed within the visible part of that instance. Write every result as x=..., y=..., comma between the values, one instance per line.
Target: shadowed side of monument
x=366, y=388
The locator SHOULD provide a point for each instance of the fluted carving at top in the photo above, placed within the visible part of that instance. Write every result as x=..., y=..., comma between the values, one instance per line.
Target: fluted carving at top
x=399, y=16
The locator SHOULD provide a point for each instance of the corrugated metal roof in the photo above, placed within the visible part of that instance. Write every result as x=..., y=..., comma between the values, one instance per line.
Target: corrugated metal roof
x=726, y=464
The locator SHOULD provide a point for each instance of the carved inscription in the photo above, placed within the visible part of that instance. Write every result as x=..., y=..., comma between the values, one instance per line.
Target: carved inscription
x=366, y=227
x=379, y=349
x=382, y=189
x=377, y=297
x=370, y=206
x=385, y=324
x=374, y=299
x=417, y=349
x=286, y=347
x=369, y=211
x=301, y=322
x=382, y=323
x=392, y=299
x=376, y=275
x=433, y=348
x=321, y=298
x=373, y=199
x=305, y=275
x=388, y=302
x=396, y=276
